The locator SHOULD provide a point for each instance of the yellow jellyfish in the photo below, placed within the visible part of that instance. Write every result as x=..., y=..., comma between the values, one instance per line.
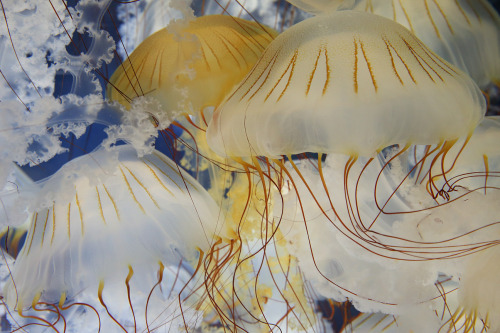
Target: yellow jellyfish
x=464, y=33
x=113, y=224
x=192, y=67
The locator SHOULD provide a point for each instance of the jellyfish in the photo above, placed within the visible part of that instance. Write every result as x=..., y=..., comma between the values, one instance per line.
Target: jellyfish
x=195, y=67
x=111, y=223
x=332, y=85
x=369, y=64
x=464, y=33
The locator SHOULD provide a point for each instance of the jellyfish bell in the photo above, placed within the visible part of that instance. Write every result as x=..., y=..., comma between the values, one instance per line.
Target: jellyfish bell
x=348, y=82
x=464, y=33
x=193, y=67
x=108, y=221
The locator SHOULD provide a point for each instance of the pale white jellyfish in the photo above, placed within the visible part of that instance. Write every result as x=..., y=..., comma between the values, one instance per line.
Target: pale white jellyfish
x=347, y=82
x=464, y=33
x=108, y=225
x=350, y=84
x=383, y=257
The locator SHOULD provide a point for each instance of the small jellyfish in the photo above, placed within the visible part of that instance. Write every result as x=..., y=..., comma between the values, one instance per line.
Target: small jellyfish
x=108, y=224
x=192, y=67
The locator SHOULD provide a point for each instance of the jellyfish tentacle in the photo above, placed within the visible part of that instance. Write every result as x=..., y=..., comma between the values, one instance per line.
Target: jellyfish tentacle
x=99, y=295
